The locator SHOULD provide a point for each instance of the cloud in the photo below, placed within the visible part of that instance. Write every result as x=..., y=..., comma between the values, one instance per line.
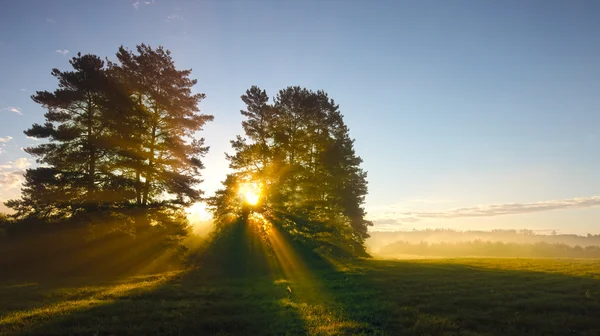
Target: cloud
x=174, y=17
x=490, y=210
x=11, y=180
x=136, y=5
x=12, y=109
x=32, y=138
x=62, y=51
x=23, y=90
x=11, y=173
x=49, y=20
x=386, y=221
x=412, y=203
x=21, y=163
x=6, y=139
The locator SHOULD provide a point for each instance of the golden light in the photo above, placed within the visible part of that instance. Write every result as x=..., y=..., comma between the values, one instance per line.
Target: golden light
x=198, y=212
x=250, y=193
x=307, y=296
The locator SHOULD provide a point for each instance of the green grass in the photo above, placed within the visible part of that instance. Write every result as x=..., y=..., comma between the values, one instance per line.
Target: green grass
x=369, y=297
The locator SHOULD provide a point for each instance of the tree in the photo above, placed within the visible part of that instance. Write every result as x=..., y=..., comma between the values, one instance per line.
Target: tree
x=160, y=156
x=78, y=152
x=121, y=145
x=166, y=157
x=299, y=153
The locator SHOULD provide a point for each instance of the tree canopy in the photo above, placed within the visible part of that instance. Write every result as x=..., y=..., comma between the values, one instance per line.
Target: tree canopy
x=122, y=155
x=296, y=152
x=121, y=145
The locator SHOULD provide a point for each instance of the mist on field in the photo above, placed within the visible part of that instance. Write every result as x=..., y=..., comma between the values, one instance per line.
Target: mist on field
x=494, y=243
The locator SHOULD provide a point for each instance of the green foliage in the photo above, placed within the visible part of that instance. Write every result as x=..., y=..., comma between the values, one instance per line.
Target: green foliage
x=299, y=152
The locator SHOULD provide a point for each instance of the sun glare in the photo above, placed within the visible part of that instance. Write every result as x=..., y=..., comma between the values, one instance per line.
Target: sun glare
x=198, y=212
x=250, y=192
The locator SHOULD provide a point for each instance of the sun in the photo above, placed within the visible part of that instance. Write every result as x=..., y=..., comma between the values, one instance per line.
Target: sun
x=250, y=193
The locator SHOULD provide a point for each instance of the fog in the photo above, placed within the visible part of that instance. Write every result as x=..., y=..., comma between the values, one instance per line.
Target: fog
x=498, y=243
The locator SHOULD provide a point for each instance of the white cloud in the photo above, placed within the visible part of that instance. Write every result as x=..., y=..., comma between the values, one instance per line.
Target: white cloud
x=489, y=210
x=49, y=20
x=11, y=173
x=21, y=163
x=32, y=138
x=174, y=17
x=23, y=90
x=11, y=179
x=12, y=109
x=6, y=139
x=136, y=5
x=62, y=51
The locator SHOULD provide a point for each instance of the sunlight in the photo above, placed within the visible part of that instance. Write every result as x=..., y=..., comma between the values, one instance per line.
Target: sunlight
x=306, y=294
x=198, y=212
x=250, y=192
x=98, y=296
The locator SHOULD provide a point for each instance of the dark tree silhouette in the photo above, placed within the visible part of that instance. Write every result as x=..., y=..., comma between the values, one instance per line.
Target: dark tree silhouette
x=121, y=146
x=160, y=156
x=78, y=152
x=164, y=120
x=298, y=152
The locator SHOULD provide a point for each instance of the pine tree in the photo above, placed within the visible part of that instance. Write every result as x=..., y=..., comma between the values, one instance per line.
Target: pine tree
x=299, y=151
x=78, y=152
x=164, y=157
x=121, y=147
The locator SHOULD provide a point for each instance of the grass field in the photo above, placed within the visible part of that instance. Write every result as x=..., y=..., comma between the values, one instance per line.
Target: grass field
x=368, y=297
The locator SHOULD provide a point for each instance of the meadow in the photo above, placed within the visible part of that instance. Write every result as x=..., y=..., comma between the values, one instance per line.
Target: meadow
x=365, y=297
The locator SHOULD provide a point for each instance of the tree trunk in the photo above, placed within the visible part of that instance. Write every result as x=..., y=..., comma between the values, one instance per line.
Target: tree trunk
x=149, y=175
x=91, y=183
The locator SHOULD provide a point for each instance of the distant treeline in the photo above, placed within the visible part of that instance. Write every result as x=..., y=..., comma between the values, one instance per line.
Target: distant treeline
x=478, y=248
x=525, y=236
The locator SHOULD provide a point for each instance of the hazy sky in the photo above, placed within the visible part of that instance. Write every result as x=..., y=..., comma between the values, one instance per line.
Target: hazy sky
x=468, y=114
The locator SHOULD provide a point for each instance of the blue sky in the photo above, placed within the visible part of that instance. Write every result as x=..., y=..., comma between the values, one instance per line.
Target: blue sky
x=468, y=114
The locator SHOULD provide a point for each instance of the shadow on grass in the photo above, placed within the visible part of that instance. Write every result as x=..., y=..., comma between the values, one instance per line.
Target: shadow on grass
x=230, y=292
x=241, y=287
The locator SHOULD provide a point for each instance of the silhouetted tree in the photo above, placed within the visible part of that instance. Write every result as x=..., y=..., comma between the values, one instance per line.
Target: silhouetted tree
x=77, y=156
x=160, y=156
x=298, y=150
x=121, y=146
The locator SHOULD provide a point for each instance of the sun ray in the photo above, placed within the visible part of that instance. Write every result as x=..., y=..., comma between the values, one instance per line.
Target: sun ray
x=307, y=295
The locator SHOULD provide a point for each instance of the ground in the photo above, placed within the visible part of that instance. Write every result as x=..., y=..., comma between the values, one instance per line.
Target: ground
x=366, y=297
